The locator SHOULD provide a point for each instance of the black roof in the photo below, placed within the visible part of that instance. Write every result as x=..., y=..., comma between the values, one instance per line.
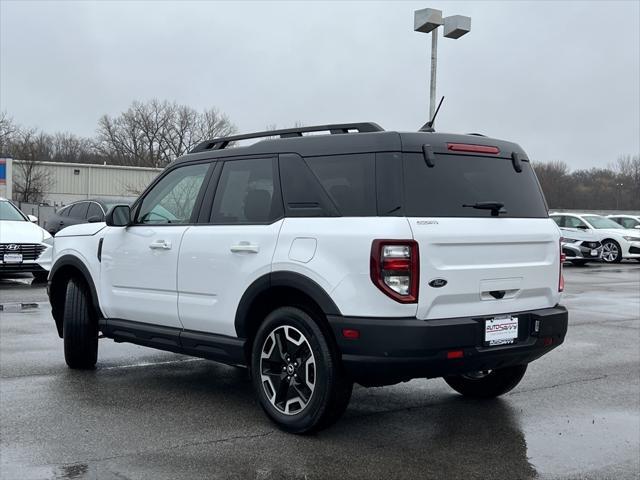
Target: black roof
x=365, y=137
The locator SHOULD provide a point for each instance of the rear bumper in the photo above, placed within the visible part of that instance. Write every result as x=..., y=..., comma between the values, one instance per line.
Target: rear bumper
x=390, y=350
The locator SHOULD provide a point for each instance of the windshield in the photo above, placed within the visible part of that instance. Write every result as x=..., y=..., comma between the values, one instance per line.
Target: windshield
x=601, y=222
x=10, y=213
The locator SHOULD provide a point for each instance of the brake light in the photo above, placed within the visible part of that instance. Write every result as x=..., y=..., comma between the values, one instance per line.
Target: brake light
x=467, y=147
x=395, y=269
x=563, y=257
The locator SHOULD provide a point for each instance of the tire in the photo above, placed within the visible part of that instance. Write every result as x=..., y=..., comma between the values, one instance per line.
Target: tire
x=611, y=252
x=79, y=327
x=579, y=263
x=40, y=276
x=297, y=373
x=493, y=384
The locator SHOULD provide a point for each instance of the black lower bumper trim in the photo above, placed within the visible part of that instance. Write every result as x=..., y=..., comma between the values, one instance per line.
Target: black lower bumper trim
x=390, y=350
x=10, y=268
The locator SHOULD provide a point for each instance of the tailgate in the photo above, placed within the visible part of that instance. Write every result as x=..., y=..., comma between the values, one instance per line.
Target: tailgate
x=490, y=265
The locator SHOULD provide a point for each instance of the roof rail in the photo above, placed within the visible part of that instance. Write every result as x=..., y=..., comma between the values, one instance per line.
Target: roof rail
x=223, y=142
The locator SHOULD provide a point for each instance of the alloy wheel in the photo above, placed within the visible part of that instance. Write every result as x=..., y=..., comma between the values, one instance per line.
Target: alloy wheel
x=609, y=252
x=287, y=370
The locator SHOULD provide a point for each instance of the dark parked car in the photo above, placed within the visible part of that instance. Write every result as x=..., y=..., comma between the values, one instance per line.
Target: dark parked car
x=83, y=211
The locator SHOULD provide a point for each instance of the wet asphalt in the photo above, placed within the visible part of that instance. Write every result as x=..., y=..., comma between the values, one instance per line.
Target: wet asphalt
x=144, y=414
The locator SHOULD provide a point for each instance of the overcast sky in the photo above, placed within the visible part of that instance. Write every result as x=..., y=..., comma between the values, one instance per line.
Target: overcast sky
x=561, y=79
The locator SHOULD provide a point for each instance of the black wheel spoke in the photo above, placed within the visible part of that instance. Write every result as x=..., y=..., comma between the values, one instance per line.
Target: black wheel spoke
x=282, y=393
x=302, y=353
x=281, y=344
x=303, y=391
x=270, y=367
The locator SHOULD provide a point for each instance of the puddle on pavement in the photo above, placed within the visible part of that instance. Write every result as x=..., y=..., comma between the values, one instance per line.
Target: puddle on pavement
x=74, y=471
x=577, y=445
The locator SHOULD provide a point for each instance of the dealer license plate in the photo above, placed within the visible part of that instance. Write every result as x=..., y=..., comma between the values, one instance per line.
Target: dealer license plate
x=500, y=330
x=12, y=258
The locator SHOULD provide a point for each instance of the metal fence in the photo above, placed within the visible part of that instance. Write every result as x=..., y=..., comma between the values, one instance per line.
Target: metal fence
x=43, y=212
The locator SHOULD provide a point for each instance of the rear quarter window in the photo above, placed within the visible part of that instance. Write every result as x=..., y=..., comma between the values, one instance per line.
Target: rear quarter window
x=455, y=180
x=349, y=180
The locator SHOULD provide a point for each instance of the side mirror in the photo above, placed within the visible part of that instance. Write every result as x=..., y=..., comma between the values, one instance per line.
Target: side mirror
x=95, y=219
x=32, y=218
x=583, y=227
x=637, y=226
x=118, y=216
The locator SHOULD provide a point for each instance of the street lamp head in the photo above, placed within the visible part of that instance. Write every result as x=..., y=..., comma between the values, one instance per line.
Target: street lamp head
x=427, y=19
x=456, y=26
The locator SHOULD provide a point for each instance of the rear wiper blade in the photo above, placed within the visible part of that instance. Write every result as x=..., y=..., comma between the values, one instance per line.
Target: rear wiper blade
x=495, y=207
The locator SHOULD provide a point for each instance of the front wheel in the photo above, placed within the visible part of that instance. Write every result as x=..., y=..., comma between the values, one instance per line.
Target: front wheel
x=488, y=383
x=297, y=375
x=79, y=327
x=611, y=251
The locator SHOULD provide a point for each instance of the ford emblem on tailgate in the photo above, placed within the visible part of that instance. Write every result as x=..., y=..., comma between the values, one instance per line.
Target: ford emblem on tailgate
x=437, y=283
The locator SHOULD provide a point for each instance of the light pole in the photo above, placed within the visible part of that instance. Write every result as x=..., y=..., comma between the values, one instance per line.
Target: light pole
x=619, y=185
x=428, y=20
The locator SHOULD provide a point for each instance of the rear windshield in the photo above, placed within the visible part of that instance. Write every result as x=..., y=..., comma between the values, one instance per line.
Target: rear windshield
x=455, y=180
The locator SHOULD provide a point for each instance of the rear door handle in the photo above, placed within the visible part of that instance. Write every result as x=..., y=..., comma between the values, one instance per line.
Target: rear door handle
x=160, y=245
x=245, y=247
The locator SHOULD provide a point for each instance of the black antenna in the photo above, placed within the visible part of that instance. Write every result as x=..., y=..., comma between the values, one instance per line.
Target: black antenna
x=428, y=127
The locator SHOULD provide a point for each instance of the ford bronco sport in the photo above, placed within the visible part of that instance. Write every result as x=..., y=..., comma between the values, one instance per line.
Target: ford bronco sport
x=317, y=261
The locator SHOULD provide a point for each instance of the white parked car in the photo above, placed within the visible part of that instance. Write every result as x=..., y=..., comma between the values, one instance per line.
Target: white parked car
x=627, y=221
x=24, y=246
x=580, y=246
x=617, y=242
x=318, y=261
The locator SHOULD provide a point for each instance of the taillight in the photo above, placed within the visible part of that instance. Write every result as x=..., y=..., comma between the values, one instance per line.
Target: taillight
x=395, y=268
x=563, y=257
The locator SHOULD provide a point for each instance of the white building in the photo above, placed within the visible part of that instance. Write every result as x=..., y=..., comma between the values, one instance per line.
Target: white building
x=69, y=182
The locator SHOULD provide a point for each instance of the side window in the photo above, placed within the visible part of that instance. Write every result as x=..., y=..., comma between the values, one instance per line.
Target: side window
x=246, y=193
x=573, y=222
x=301, y=191
x=173, y=198
x=350, y=182
x=559, y=220
x=629, y=222
x=64, y=212
x=94, y=210
x=79, y=210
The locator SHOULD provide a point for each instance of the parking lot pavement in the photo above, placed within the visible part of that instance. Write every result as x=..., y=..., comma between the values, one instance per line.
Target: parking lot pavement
x=145, y=414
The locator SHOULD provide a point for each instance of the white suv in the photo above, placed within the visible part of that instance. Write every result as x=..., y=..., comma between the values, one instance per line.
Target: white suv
x=318, y=261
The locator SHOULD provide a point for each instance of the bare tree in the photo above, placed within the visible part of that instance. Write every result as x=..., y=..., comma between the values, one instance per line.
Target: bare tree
x=8, y=131
x=31, y=179
x=553, y=177
x=154, y=133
